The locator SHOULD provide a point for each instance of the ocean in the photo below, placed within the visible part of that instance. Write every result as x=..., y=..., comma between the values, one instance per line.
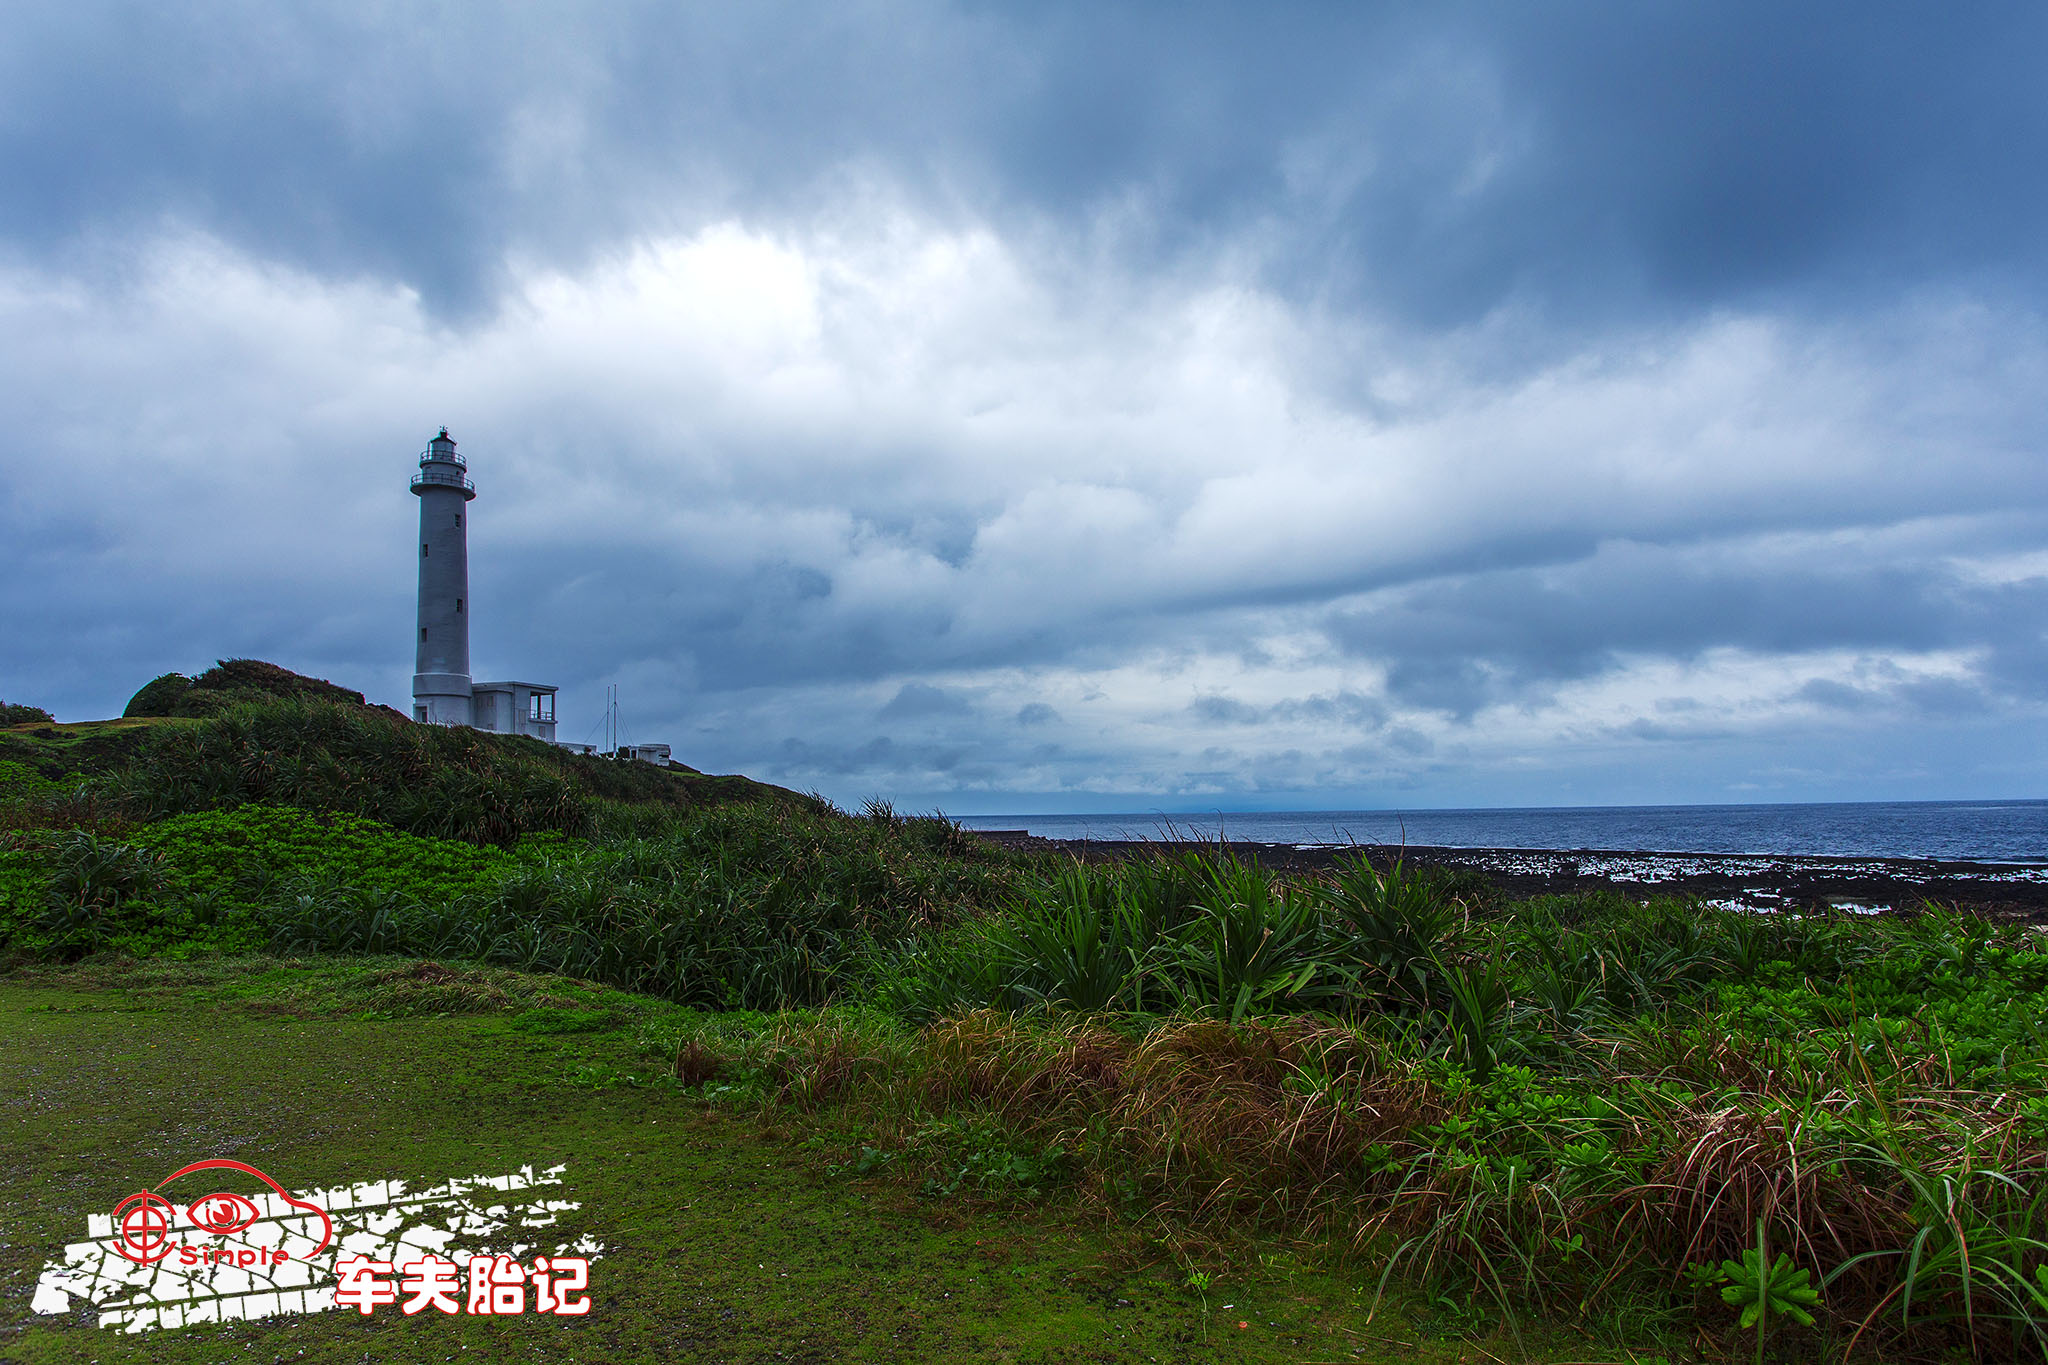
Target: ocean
x=1988, y=831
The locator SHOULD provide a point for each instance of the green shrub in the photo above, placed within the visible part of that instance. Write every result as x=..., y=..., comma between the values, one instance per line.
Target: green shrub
x=159, y=696
x=13, y=713
x=439, y=781
x=24, y=895
x=221, y=880
x=19, y=782
x=234, y=681
x=98, y=890
x=742, y=906
x=237, y=860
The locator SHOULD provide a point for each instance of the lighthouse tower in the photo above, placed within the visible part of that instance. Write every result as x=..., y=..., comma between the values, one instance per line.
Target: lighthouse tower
x=440, y=680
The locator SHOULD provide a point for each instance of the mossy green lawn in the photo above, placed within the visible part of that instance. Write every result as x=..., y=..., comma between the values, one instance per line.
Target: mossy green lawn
x=58, y=750
x=724, y=1241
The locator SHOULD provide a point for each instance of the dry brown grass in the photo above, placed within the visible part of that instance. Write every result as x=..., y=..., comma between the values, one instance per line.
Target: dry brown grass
x=435, y=988
x=697, y=1064
x=1275, y=1118
x=1724, y=1170
x=31, y=824
x=1269, y=1123
x=816, y=1064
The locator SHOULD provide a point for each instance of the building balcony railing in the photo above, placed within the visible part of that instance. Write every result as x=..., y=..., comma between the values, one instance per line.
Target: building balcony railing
x=437, y=478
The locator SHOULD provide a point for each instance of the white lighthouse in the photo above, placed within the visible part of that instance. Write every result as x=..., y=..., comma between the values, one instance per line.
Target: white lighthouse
x=442, y=693
x=440, y=677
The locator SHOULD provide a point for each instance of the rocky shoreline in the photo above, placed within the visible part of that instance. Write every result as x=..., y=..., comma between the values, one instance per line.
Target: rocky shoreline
x=1748, y=881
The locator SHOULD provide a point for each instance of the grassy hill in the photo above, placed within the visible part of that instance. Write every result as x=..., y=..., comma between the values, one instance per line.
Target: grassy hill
x=234, y=682
x=335, y=756
x=247, y=730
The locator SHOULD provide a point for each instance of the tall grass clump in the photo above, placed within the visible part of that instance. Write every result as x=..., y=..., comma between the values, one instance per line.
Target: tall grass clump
x=1198, y=934
x=732, y=907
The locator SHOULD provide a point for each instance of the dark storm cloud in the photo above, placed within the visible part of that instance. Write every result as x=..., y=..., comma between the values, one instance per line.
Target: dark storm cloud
x=883, y=760
x=1406, y=740
x=1343, y=710
x=1346, y=708
x=1939, y=698
x=1820, y=691
x=1759, y=145
x=1594, y=160
x=1224, y=711
x=922, y=699
x=422, y=145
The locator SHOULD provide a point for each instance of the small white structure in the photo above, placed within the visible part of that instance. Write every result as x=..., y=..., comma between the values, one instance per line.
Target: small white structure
x=514, y=708
x=646, y=753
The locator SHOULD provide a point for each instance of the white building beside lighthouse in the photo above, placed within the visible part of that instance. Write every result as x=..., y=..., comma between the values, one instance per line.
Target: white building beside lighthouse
x=442, y=692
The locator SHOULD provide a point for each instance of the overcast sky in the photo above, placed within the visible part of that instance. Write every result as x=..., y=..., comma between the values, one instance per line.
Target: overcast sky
x=1063, y=407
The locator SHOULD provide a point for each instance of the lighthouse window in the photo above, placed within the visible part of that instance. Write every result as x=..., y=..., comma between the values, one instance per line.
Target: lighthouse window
x=458, y=604
x=423, y=632
x=423, y=549
x=458, y=518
